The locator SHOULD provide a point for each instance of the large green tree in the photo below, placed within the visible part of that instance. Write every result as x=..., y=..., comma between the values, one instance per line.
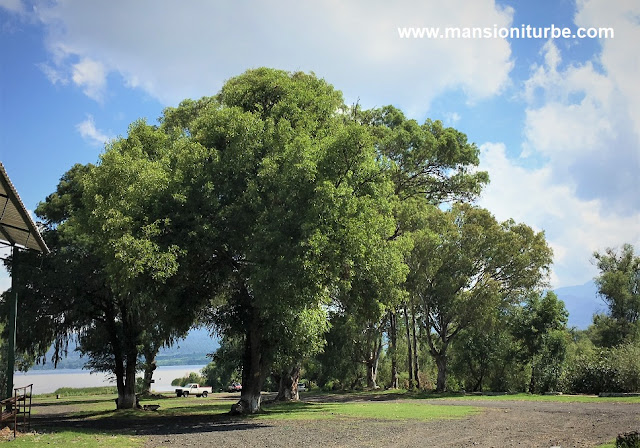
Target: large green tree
x=466, y=264
x=619, y=285
x=540, y=327
x=283, y=193
x=428, y=164
x=104, y=277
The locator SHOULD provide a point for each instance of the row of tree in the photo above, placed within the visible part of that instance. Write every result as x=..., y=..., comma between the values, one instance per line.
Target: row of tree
x=518, y=347
x=279, y=216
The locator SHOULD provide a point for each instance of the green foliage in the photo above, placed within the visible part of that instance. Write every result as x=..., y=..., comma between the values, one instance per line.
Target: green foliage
x=628, y=440
x=226, y=364
x=465, y=266
x=540, y=328
x=340, y=364
x=193, y=377
x=619, y=286
x=81, y=391
x=614, y=369
x=485, y=356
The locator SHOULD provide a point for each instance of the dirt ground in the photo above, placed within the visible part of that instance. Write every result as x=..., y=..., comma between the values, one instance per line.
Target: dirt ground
x=499, y=424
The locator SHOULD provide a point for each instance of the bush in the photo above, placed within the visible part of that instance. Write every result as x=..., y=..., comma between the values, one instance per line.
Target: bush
x=614, y=369
x=71, y=391
x=628, y=440
x=193, y=377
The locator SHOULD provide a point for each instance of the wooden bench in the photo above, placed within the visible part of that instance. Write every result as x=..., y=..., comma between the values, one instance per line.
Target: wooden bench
x=9, y=412
x=17, y=409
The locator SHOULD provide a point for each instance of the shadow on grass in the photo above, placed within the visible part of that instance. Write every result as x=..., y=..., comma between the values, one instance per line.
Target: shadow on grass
x=145, y=423
x=71, y=401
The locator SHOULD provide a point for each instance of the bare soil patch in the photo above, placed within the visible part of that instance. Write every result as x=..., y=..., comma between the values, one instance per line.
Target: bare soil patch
x=500, y=424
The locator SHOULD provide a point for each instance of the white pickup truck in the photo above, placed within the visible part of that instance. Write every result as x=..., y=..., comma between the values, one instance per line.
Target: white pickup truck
x=193, y=389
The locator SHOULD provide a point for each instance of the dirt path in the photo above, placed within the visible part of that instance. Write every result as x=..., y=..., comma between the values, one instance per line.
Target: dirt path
x=500, y=424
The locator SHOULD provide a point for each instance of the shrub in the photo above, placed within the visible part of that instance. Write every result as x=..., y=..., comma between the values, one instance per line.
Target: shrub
x=614, y=369
x=193, y=377
x=628, y=440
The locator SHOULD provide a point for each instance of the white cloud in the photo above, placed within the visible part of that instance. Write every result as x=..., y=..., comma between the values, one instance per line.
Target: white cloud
x=88, y=131
x=584, y=118
x=91, y=76
x=574, y=227
x=54, y=75
x=15, y=6
x=175, y=50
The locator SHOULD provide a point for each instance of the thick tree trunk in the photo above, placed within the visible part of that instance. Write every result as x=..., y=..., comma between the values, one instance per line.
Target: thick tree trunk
x=441, y=362
x=149, y=367
x=409, y=354
x=393, y=347
x=254, y=372
x=124, y=370
x=127, y=399
x=288, y=385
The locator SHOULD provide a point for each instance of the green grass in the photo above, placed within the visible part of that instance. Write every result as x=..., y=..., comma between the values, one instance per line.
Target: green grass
x=74, y=392
x=78, y=439
x=554, y=398
x=103, y=406
x=390, y=410
x=404, y=394
x=611, y=444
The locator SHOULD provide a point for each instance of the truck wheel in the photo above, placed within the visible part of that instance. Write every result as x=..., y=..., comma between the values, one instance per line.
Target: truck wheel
x=204, y=394
x=197, y=395
x=185, y=394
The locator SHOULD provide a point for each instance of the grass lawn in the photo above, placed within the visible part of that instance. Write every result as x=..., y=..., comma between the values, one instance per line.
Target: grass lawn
x=389, y=410
x=99, y=407
x=96, y=407
x=76, y=438
x=93, y=407
x=401, y=393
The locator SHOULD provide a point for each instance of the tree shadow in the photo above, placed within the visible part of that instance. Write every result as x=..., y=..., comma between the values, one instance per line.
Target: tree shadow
x=151, y=425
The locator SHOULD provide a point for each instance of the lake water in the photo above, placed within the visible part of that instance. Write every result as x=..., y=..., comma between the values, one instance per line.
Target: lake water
x=47, y=381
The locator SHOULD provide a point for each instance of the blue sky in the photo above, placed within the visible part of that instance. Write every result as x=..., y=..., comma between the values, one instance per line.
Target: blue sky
x=557, y=120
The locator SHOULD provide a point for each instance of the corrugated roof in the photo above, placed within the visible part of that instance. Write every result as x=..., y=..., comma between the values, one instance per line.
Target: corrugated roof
x=16, y=226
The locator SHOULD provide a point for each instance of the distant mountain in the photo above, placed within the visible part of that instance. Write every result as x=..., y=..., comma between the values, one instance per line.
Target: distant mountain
x=582, y=302
x=192, y=350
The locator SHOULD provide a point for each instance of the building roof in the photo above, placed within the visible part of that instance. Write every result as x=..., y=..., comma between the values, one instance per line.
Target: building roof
x=16, y=225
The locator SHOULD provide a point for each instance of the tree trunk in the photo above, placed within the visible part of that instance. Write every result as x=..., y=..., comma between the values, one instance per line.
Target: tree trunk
x=288, y=384
x=409, y=354
x=124, y=369
x=532, y=382
x=416, y=370
x=372, y=363
x=393, y=347
x=127, y=397
x=254, y=373
x=149, y=367
x=441, y=362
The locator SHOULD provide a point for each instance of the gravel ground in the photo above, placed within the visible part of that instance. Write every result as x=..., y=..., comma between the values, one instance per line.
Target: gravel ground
x=499, y=424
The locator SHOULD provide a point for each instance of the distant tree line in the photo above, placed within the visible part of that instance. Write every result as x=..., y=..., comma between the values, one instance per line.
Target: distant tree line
x=315, y=238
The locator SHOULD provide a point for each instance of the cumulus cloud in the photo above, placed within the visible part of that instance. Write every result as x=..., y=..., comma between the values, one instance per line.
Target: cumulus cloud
x=574, y=227
x=91, y=77
x=584, y=118
x=175, y=50
x=89, y=132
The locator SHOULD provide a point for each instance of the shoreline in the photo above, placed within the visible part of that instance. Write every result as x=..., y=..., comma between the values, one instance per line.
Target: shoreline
x=48, y=381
